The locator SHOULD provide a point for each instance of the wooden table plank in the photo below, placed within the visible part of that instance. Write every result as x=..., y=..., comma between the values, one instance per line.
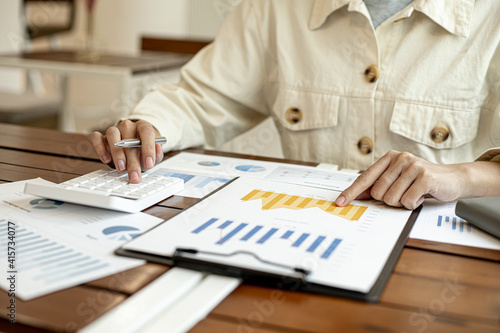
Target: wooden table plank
x=66, y=310
x=162, y=212
x=48, y=162
x=216, y=324
x=265, y=307
x=6, y=327
x=46, y=141
x=435, y=265
x=132, y=280
x=13, y=173
x=449, y=297
x=177, y=201
x=467, y=251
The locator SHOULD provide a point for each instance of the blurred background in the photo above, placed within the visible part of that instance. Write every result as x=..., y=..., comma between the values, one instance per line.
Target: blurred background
x=80, y=65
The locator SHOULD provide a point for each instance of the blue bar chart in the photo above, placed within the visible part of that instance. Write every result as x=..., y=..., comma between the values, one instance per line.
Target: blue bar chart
x=258, y=235
x=195, y=185
x=454, y=222
x=45, y=260
x=194, y=180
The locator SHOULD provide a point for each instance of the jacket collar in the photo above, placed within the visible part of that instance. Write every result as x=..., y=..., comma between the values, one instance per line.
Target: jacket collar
x=453, y=15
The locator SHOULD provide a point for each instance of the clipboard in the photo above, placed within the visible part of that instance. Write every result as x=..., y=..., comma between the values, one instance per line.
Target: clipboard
x=273, y=273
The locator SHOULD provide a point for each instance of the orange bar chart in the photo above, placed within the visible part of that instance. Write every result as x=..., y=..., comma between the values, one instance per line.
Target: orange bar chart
x=274, y=200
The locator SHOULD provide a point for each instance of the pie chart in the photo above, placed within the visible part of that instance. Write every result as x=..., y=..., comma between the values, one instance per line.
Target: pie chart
x=209, y=163
x=121, y=232
x=250, y=168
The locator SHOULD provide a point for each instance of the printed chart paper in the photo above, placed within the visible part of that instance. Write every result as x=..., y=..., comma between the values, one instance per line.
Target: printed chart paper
x=268, y=225
x=437, y=222
x=202, y=173
x=56, y=245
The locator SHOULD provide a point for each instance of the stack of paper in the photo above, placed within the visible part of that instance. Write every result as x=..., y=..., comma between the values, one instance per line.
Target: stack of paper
x=48, y=245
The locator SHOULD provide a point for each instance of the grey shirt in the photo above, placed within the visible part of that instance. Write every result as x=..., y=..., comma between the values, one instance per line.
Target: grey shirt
x=381, y=10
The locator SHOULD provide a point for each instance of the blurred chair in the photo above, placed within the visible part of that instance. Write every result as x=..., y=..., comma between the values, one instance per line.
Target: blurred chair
x=42, y=18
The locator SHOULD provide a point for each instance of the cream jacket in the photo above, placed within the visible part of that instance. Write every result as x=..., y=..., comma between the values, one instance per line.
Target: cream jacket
x=426, y=81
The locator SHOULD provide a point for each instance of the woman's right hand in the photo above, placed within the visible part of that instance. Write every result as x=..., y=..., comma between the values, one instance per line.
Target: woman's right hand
x=132, y=160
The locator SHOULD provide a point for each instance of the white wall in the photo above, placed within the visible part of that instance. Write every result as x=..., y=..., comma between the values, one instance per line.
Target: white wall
x=121, y=23
x=11, y=80
x=10, y=26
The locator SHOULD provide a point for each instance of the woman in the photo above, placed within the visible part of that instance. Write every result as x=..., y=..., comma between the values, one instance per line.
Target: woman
x=413, y=101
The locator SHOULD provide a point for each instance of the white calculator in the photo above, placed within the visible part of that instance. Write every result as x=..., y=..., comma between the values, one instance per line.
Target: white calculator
x=110, y=189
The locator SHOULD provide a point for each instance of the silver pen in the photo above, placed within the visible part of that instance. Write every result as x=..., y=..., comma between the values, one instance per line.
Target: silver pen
x=135, y=143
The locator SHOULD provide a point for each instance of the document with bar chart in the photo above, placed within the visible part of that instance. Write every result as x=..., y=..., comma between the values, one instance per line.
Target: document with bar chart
x=204, y=173
x=437, y=222
x=50, y=245
x=279, y=228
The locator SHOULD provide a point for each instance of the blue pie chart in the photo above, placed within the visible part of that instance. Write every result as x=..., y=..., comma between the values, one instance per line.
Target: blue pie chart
x=250, y=168
x=121, y=232
x=209, y=163
x=43, y=203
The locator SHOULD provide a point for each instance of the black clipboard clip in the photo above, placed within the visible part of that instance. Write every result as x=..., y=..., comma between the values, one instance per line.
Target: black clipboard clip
x=184, y=257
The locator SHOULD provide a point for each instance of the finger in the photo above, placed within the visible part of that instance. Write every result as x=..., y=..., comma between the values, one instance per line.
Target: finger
x=365, y=180
x=366, y=194
x=147, y=134
x=101, y=147
x=113, y=135
x=159, y=153
x=412, y=204
x=133, y=165
x=132, y=156
x=386, y=181
x=406, y=181
x=416, y=194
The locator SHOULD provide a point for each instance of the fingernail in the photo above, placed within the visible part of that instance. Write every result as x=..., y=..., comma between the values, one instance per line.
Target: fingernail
x=149, y=163
x=134, y=177
x=340, y=200
x=121, y=165
x=105, y=159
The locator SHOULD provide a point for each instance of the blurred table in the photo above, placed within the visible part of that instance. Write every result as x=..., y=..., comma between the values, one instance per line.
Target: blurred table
x=435, y=287
x=128, y=78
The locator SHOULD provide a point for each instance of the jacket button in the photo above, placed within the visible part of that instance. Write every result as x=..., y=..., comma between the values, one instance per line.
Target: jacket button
x=293, y=115
x=372, y=73
x=440, y=134
x=365, y=145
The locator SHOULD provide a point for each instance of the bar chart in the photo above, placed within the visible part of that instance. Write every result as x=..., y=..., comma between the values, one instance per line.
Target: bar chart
x=274, y=200
x=194, y=180
x=262, y=236
x=454, y=222
x=47, y=261
x=196, y=185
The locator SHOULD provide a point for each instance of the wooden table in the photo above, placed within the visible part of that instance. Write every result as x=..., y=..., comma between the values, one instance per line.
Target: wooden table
x=434, y=287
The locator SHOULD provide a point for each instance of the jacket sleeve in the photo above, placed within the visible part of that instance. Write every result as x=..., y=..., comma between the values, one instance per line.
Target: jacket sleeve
x=220, y=94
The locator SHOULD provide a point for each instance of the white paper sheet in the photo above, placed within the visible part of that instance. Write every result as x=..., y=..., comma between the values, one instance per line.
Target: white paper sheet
x=285, y=224
x=330, y=180
x=58, y=245
x=437, y=222
x=204, y=173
